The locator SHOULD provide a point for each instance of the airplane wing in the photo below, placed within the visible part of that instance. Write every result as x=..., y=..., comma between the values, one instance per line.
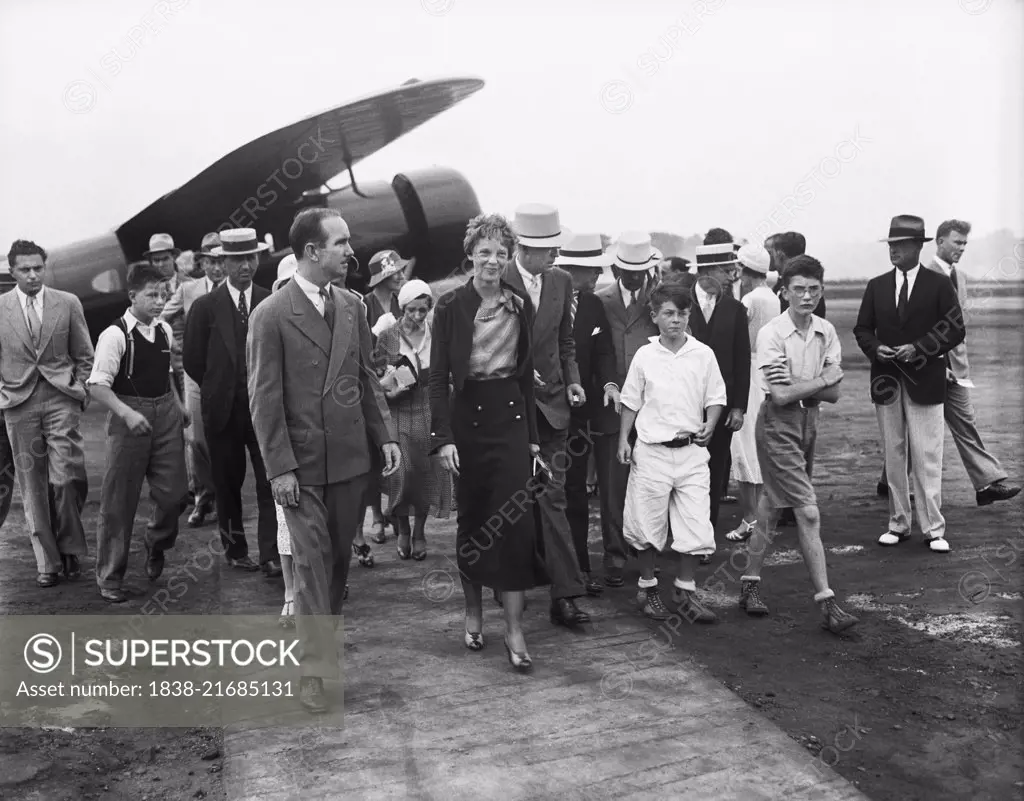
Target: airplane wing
x=260, y=184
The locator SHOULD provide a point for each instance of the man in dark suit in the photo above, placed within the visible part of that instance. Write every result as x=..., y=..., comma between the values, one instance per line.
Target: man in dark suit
x=584, y=259
x=627, y=308
x=909, y=320
x=720, y=322
x=318, y=412
x=783, y=247
x=557, y=380
x=214, y=357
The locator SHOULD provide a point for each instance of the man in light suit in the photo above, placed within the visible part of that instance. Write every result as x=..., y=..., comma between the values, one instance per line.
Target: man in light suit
x=557, y=387
x=317, y=409
x=908, y=321
x=627, y=308
x=46, y=356
x=176, y=312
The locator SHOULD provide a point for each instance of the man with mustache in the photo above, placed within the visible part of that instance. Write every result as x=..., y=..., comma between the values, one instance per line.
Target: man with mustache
x=214, y=357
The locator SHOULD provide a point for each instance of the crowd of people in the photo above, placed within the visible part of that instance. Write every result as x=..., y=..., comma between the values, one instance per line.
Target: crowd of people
x=496, y=400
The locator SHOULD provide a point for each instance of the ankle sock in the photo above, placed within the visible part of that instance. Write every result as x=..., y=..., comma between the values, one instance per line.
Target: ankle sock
x=689, y=586
x=824, y=595
x=646, y=584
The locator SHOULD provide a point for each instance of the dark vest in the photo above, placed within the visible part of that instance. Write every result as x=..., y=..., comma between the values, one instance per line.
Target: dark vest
x=144, y=369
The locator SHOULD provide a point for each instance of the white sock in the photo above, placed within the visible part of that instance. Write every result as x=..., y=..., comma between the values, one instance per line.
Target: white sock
x=824, y=595
x=646, y=584
x=689, y=586
x=750, y=578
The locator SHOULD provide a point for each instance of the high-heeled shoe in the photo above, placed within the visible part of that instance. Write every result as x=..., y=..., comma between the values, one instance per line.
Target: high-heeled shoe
x=404, y=552
x=419, y=549
x=474, y=640
x=364, y=553
x=520, y=662
x=287, y=618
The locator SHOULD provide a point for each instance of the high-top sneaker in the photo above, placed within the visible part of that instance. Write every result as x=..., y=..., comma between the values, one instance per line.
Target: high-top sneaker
x=834, y=618
x=690, y=607
x=750, y=598
x=649, y=600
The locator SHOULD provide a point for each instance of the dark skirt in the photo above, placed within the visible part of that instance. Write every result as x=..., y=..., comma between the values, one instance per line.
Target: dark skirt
x=497, y=544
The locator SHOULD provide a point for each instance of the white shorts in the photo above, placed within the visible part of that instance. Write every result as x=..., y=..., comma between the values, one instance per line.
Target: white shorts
x=669, y=485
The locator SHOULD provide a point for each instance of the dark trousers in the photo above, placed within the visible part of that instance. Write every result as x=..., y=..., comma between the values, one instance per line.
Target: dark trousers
x=718, y=448
x=559, y=553
x=579, y=446
x=158, y=458
x=322, y=528
x=227, y=460
x=612, y=480
x=6, y=472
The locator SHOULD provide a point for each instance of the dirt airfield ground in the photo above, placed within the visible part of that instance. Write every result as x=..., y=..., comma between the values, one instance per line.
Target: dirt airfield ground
x=921, y=701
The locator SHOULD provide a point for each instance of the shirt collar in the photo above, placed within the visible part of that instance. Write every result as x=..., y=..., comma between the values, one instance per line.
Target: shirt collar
x=787, y=327
x=912, y=272
x=306, y=285
x=688, y=345
x=23, y=298
x=235, y=293
x=704, y=297
x=946, y=268
x=131, y=321
x=528, y=277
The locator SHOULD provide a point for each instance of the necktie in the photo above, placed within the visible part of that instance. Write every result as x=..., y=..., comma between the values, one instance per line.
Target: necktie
x=952, y=277
x=707, y=308
x=901, y=305
x=328, y=308
x=572, y=311
x=34, y=324
x=632, y=298
x=243, y=309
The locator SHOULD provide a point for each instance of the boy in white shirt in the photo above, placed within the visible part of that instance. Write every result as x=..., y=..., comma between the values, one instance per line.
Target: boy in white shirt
x=674, y=393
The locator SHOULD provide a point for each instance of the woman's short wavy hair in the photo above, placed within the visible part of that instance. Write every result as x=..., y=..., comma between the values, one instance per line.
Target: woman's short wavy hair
x=488, y=226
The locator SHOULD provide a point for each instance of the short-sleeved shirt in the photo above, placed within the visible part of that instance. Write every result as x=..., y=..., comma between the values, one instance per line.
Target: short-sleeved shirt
x=670, y=391
x=111, y=345
x=495, y=341
x=806, y=356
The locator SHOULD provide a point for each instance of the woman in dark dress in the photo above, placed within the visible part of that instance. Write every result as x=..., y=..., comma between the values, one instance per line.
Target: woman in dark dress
x=486, y=432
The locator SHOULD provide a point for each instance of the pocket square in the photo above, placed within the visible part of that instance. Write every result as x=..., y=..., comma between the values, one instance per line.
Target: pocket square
x=596, y=331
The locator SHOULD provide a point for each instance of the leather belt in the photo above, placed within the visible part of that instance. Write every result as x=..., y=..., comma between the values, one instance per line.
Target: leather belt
x=810, y=403
x=678, y=442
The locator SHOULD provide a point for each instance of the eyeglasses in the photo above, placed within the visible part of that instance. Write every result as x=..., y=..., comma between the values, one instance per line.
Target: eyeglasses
x=810, y=292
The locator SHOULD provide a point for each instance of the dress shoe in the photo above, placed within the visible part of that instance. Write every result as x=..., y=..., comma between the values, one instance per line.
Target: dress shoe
x=997, y=491
x=592, y=587
x=198, y=516
x=272, y=568
x=890, y=538
x=311, y=695
x=520, y=661
x=564, y=612
x=613, y=577
x=938, y=545
x=154, y=564
x=244, y=563
x=48, y=579
x=72, y=569
x=114, y=596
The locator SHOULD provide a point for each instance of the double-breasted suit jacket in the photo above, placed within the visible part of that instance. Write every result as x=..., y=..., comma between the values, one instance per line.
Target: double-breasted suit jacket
x=934, y=325
x=210, y=356
x=316, y=402
x=630, y=329
x=554, y=350
x=727, y=335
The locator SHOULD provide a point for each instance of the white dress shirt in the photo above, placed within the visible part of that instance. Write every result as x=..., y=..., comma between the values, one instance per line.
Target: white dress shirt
x=312, y=291
x=111, y=345
x=627, y=296
x=910, y=278
x=533, y=284
x=706, y=302
x=235, y=293
x=23, y=299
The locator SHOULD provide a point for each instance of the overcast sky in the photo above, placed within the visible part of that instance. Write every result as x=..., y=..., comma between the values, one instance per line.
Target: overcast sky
x=820, y=116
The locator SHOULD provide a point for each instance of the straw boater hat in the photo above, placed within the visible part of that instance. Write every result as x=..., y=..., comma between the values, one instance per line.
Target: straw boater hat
x=536, y=225
x=755, y=258
x=385, y=264
x=210, y=241
x=160, y=243
x=905, y=227
x=239, y=242
x=716, y=255
x=635, y=252
x=583, y=250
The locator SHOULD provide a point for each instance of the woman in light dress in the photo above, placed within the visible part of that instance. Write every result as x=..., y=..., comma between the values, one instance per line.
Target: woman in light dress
x=762, y=305
x=421, y=486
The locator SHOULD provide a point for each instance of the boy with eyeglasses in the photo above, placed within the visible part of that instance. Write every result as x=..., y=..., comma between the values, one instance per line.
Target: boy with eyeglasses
x=798, y=356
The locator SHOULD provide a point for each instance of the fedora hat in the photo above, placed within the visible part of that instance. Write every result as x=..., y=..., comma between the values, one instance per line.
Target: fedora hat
x=906, y=227
x=159, y=243
x=635, y=252
x=239, y=242
x=755, y=258
x=386, y=263
x=714, y=255
x=536, y=225
x=583, y=250
x=210, y=241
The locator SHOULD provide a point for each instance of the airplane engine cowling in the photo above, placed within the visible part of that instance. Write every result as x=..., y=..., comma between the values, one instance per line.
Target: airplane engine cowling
x=421, y=213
